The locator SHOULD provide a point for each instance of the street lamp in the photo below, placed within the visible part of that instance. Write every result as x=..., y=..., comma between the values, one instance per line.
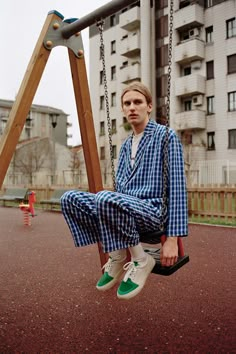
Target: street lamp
x=53, y=118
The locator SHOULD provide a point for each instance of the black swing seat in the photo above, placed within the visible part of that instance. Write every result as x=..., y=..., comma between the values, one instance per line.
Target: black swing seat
x=154, y=237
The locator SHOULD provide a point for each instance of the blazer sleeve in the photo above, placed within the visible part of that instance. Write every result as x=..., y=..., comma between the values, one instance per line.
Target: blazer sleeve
x=177, y=220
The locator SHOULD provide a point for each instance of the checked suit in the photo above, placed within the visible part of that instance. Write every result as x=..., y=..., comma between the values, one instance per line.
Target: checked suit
x=116, y=218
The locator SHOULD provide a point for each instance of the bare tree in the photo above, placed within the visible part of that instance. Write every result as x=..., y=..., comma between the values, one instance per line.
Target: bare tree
x=75, y=164
x=31, y=157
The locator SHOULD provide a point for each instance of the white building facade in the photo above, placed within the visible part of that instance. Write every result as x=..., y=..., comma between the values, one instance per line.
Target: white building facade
x=203, y=80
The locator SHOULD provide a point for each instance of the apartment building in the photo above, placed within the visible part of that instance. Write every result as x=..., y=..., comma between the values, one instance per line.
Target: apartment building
x=42, y=156
x=42, y=121
x=203, y=79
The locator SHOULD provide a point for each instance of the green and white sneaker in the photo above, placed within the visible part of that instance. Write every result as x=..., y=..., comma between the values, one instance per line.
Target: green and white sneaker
x=135, y=278
x=113, y=269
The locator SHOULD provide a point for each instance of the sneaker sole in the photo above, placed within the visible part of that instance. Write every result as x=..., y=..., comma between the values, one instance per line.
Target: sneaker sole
x=137, y=290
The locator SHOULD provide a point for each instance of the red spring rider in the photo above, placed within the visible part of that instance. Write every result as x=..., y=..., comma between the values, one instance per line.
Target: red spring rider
x=28, y=209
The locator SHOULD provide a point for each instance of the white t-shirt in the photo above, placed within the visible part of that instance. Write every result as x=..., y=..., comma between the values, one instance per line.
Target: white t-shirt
x=135, y=141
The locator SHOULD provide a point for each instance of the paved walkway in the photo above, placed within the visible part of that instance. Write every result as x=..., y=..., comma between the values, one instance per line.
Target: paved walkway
x=49, y=303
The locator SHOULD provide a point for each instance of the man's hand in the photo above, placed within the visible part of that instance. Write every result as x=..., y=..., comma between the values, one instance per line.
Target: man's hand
x=169, y=252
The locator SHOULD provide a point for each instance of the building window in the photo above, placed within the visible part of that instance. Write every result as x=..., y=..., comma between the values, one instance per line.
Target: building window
x=211, y=141
x=231, y=27
x=210, y=105
x=113, y=20
x=113, y=126
x=232, y=101
x=188, y=105
x=113, y=99
x=210, y=70
x=232, y=138
x=208, y=3
x=102, y=102
x=187, y=71
x=101, y=77
x=231, y=61
x=209, y=34
x=113, y=72
x=113, y=47
x=102, y=128
x=114, y=151
x=102, y=153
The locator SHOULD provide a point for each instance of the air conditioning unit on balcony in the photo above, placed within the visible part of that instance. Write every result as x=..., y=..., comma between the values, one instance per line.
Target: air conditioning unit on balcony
x=194, y=32
x=197, y=100
x=196, y=65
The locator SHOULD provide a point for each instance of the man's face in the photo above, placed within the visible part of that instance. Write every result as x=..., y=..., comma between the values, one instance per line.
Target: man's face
x=136, y=110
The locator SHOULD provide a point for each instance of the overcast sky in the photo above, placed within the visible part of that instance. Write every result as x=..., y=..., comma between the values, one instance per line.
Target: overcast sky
x=21, y=22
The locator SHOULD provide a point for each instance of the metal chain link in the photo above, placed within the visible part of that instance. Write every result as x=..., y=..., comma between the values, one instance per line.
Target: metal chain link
x=166, y=139
x=100, y=25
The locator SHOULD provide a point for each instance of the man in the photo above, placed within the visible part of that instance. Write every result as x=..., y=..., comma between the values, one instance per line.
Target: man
x=115, y=219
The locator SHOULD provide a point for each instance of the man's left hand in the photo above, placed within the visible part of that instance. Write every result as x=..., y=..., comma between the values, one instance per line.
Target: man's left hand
x=169, y=252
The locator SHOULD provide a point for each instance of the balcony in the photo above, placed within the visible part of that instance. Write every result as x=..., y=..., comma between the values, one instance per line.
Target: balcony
x=131, y=72
x=189, y=50
x=190, y=120
x=130, y=19
x=189, y=16
x=190, y=85
x=130, y=45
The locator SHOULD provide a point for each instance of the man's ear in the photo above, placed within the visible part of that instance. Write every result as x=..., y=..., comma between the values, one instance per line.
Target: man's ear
x=149, y=107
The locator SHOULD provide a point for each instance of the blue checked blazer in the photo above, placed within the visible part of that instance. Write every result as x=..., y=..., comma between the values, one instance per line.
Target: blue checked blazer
x=145, y=179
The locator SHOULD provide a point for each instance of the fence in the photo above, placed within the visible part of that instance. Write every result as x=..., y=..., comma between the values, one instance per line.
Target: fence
x=212, y=172
x=212, y=202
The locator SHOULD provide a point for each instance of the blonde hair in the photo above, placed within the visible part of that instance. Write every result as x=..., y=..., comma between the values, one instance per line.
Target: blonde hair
x=141, y=88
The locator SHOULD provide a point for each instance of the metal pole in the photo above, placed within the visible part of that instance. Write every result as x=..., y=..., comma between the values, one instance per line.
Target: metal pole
x=102, y=12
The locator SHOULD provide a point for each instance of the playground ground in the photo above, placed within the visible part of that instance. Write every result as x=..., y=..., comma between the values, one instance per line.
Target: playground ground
x=49, y=303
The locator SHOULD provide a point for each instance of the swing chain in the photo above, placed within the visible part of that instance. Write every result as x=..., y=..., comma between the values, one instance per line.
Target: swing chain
x=166, y=139
x=100, y=25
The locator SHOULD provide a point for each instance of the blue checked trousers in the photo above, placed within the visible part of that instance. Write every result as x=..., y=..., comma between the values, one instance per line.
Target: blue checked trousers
x=111, y=218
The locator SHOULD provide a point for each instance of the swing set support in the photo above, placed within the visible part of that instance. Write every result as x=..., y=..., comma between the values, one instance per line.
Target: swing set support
x=57, y=31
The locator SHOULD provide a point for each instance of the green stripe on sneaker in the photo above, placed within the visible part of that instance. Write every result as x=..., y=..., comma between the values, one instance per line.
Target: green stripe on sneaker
x=126, y=287
x=105, y=279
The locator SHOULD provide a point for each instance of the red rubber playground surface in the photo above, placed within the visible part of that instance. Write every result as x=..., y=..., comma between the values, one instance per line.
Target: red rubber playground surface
x=49, y=303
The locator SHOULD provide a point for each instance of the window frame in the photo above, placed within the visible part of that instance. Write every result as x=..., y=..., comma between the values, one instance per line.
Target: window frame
x=211, y=145
x=187, y=105
x=102, y=153
x=233, y=109
x=233, y=69
x=209, y=34
x=113, y=99
x=233, y=28
x=231, y=146
x=102, y=128
x=113, y=73
x=210, y=105
x=113, y=47
x=210, y=70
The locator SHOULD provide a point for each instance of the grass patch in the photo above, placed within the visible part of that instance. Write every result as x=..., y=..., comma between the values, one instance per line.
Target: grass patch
x=213, y=221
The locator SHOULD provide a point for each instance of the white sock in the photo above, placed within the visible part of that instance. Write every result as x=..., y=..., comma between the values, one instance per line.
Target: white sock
x=138, y=254
x=119, y=255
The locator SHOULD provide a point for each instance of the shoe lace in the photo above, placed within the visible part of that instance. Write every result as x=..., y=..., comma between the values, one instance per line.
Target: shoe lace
x=131, y=270
x=107, y=265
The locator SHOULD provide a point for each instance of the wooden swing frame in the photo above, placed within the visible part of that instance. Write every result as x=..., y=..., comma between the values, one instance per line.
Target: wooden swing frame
x=67, y=33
